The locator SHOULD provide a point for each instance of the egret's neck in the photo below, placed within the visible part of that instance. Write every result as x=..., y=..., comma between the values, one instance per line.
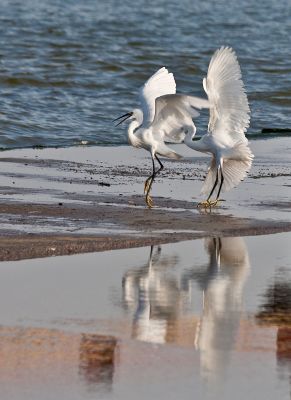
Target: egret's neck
x=133, y=140
x=189, y=137
x=195, y=145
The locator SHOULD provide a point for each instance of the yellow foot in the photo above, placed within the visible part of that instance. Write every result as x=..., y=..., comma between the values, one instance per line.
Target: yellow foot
x=214, y=203
x=147, y=185
x=205, y=204
x=208, y=203
x=149, y=201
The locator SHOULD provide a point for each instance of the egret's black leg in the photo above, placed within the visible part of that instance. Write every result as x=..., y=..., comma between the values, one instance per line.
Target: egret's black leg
x=214, y=186
x=216, y=201
x=161, y=165
x=207, y=203
x=146, y=184
x=149, y=186
x=221, y=183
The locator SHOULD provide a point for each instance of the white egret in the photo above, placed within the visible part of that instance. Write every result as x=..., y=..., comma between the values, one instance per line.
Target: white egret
x=228, y=122
x=164, y=116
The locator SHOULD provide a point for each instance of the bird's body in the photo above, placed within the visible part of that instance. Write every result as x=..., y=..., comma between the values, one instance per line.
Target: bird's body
x=228, y=122
x=146, y=138
x=164, y=116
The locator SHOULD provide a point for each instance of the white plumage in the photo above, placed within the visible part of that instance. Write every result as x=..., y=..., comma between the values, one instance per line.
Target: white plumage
x=159, y=84
x=165, y=116
x=229, y=112
x=228, y=122
x=173, y=117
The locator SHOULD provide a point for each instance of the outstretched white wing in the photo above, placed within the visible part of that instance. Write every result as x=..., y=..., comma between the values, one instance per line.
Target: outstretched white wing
x=229, y=108
x=173, y=116
x=159, y=84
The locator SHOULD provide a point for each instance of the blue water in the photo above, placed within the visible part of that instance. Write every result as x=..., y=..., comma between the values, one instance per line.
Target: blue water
x=68, y=68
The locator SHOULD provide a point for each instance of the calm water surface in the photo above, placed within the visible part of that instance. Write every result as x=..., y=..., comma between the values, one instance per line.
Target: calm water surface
x=204, y=319
x=67, y=69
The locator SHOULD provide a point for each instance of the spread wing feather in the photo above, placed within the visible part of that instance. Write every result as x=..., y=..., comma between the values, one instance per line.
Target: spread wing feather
x=159, y=84
x=229, y=108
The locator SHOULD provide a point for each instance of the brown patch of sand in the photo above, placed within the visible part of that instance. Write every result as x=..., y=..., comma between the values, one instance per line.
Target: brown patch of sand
x=122, y=228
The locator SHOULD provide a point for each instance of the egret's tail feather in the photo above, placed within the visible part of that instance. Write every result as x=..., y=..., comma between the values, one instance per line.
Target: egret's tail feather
x=234, y=171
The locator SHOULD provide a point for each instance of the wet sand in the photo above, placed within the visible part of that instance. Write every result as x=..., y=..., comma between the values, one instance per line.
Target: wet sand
x=74, y=200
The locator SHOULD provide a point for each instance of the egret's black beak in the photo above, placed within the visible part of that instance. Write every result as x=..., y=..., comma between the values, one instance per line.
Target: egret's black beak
x=124, y=116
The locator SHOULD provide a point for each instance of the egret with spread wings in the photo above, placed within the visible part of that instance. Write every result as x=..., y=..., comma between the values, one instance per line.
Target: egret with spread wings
x=164, y=116
x=228, y=122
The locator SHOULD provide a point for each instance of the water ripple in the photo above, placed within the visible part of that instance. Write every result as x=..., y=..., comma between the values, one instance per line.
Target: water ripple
x=65, y=72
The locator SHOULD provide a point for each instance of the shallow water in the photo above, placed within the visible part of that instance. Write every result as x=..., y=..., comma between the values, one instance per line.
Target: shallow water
x=67, y=70
x=206, y=319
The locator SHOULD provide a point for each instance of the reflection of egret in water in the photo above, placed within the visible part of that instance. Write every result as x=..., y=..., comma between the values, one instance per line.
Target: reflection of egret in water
x=153, y=295
x=222, y=283
x=159, y=296
x=97, y=355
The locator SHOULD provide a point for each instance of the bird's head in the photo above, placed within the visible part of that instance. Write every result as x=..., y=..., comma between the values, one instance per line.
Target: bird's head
x=135, y=115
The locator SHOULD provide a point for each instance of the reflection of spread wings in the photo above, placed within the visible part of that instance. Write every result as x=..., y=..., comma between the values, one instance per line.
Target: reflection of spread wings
x=222, y=304
x=173, y=116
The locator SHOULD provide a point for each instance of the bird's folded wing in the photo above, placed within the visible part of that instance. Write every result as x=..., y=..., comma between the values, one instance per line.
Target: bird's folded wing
x=229, y=108
x=159, y=84
x=173, y=116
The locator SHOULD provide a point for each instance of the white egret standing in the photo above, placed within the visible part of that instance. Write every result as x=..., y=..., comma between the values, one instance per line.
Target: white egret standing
x=164, y=117
x=228, y=122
